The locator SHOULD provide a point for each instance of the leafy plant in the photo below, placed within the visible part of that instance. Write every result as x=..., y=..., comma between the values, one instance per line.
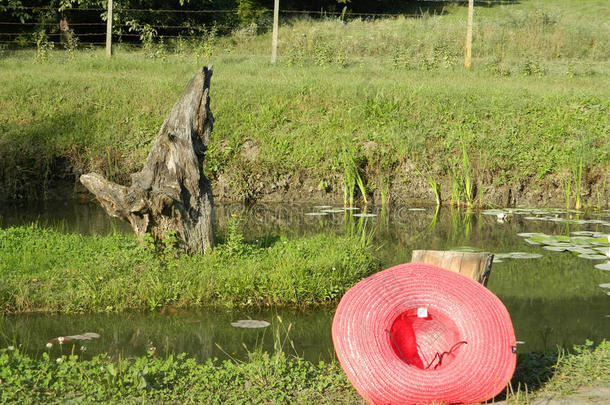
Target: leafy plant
x=71, y=43
x=43, y=46
x=204, y=47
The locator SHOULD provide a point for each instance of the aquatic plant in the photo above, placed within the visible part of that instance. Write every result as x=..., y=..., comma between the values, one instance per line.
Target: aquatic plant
x=435, y=186
x=351, y=179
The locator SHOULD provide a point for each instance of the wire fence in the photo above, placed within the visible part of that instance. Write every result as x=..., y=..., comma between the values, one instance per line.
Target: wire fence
x=133, y=25
x=301, y=42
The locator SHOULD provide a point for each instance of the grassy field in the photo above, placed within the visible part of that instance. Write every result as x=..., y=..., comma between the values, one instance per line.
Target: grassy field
x=269, y=379
x=45, y=270
x=382, y=97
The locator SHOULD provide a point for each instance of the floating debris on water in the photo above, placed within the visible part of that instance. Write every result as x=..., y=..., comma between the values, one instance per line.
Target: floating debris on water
x=606, y=285
x=416, y=209
x=365, y=215
x=312, y=214
x=71, y=338
x=250, y=324
x=322, y=207
x=351, y=209
x=333, y=210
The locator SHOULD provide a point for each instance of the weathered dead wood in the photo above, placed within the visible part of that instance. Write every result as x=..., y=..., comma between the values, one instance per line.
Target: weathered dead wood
x=476, y=266
x=171, y=193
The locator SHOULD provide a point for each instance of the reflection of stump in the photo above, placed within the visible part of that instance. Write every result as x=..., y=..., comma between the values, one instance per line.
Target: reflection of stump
x=171, y=193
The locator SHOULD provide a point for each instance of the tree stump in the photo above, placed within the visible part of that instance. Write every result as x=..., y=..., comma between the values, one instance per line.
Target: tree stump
x=171, y=193
x=476, y=266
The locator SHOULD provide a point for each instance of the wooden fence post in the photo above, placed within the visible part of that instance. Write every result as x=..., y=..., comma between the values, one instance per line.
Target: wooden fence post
x=467, y=59
x=276, y=18
x=109, y=30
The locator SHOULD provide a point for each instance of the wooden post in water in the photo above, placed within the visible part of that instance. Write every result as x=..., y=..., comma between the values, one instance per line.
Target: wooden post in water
x=467, y=59
x=276, y=21
x=109, y=30
x=476, y=266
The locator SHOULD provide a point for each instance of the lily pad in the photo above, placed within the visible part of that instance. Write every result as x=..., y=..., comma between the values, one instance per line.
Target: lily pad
x=606, y=285
x=604, y=251
x=583, y=233
x=351, y=209
x=466, y=249
x=582, y=251
x=593, y=257
x=365, y=215
x=603, y=266
x=518, y=255
x=250, y=324
x=493, y=212
x=333, y=210
x=530, y=234
x=531, y=242
x=322, y=207
x=416, y=209
x=316, y=214
x=556, y=248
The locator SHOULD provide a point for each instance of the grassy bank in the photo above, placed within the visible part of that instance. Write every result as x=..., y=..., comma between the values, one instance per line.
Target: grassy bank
x=265, y=378
x=45, y=270
x=379, y=97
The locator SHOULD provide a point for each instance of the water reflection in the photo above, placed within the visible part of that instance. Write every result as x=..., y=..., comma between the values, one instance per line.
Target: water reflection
x=554, y=300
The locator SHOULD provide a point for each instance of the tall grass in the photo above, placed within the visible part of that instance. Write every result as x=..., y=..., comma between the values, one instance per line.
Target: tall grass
x=45, y=270
x=301, y=117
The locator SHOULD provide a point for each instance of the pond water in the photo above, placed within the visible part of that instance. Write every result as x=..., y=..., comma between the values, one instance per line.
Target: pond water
x=554, y=298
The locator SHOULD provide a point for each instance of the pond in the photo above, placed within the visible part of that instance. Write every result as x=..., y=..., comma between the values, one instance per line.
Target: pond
x=552, y=288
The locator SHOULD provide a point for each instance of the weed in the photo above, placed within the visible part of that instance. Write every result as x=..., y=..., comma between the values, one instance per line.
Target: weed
x=147, y=34
x=204, y=47
x=351, y=179
x=577, y=176
x=71, y=44
x=531, y=67
x=462, y=184
x=43, y=46
x=275, y=377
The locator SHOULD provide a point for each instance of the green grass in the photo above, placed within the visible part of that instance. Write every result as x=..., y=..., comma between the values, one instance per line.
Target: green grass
x=537, y=96
x=45, y=270
x=264, y=378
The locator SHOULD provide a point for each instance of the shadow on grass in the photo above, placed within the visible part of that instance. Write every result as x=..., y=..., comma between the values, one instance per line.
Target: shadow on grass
x=533, y=370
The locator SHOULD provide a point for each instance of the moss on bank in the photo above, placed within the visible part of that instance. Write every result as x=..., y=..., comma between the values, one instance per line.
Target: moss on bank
x=45, y=270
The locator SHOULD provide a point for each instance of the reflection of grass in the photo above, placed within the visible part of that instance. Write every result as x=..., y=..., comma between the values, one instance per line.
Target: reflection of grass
x=265, y=377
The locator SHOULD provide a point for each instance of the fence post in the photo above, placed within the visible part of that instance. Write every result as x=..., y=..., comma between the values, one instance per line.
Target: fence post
x=276, y=18
x=109, y=30
x=468, y=56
